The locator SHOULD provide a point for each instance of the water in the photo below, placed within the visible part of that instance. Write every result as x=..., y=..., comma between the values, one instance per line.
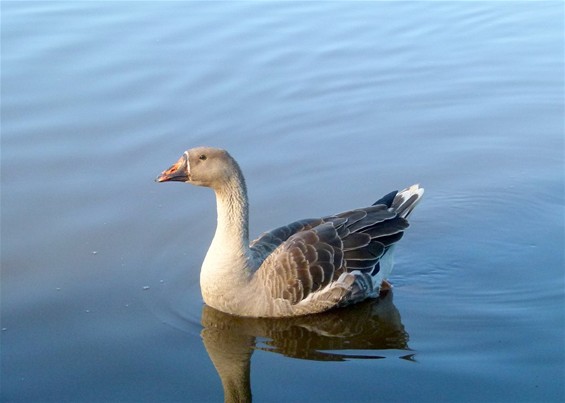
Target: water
x=327, y=106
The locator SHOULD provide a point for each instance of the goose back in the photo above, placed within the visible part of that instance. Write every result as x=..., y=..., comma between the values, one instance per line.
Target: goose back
x=311, y=265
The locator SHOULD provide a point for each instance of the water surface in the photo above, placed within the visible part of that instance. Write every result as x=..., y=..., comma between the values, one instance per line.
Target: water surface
x=327, y=106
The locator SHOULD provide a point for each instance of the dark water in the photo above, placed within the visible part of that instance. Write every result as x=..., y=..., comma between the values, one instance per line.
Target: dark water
x=327, y=106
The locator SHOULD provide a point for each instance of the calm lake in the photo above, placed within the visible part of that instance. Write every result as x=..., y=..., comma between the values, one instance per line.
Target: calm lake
x=327, y=106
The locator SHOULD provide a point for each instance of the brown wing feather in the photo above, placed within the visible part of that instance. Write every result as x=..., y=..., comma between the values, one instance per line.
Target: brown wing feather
x=304, y=264
x=267, y=242
x=307, y=255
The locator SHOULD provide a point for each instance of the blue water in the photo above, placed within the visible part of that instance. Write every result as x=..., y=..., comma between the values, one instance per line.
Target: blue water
x=326, y=106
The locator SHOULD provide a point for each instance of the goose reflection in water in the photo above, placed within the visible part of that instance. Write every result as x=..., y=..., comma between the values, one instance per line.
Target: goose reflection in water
x=364, y=328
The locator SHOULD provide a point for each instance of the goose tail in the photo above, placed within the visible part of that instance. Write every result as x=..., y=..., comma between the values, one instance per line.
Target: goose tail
x=406, y=200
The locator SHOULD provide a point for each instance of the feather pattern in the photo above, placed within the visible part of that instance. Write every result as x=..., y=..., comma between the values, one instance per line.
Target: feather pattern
x=308, y=266
x=342, y=251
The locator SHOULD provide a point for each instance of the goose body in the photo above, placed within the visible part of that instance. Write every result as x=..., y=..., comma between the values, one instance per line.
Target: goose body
x=305, y=267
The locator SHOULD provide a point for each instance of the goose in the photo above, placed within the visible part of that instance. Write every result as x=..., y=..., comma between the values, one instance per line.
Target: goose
x=306, y=267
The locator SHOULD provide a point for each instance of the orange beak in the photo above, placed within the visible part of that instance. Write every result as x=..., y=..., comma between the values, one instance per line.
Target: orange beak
x=177, y=172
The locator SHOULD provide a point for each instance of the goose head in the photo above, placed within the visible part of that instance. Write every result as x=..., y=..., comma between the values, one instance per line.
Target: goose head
x=202, y=166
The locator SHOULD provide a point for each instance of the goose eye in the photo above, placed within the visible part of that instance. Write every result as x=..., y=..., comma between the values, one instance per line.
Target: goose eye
x=202, y=157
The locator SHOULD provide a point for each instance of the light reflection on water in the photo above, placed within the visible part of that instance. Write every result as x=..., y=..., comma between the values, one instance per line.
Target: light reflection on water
x=326, y=106
x=360, y=332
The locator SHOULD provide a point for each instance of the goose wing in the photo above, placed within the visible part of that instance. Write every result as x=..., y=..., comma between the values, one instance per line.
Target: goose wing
x=267, y=242
x=333, y=257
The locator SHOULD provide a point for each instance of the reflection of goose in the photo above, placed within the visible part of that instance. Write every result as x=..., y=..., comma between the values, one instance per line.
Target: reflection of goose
x=306, y=267
x=230, y=340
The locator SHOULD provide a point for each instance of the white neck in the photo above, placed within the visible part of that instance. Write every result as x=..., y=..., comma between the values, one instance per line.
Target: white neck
x=226, y=264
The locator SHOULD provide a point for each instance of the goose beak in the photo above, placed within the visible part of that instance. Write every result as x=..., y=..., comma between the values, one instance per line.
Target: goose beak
x=177, y=172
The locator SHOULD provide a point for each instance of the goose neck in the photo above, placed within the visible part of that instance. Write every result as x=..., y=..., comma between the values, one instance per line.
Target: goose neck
x=233, y=211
